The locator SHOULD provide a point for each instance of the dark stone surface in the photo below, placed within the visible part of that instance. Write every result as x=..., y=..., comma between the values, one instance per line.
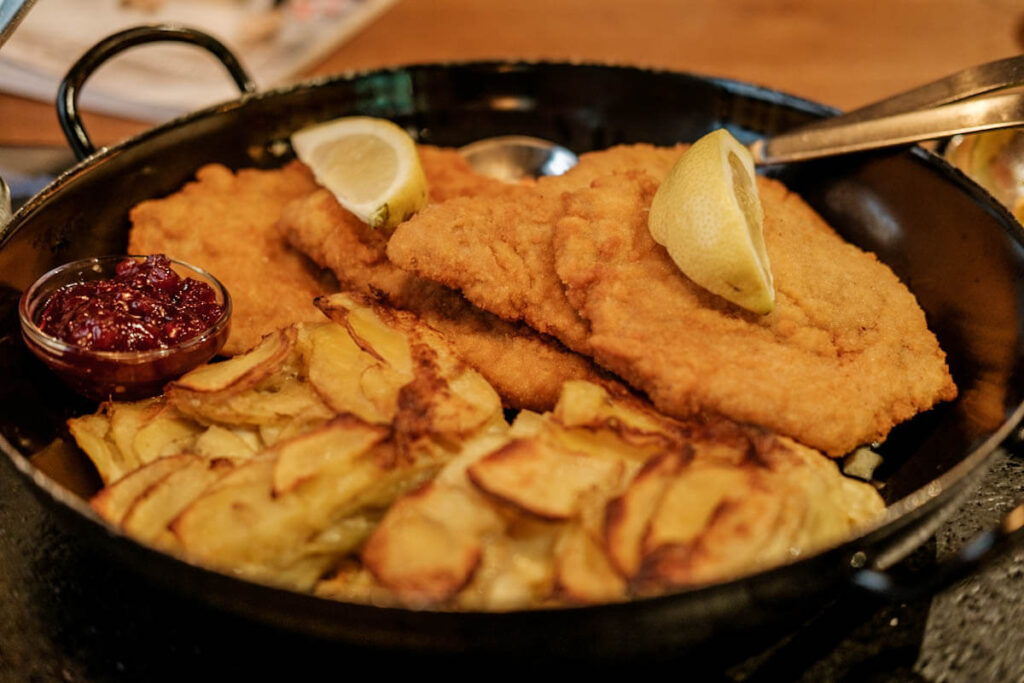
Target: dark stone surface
x=68, y=614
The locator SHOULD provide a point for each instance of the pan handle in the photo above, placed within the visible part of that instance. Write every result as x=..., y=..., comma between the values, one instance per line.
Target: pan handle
x=984, y=547
x=71, y=86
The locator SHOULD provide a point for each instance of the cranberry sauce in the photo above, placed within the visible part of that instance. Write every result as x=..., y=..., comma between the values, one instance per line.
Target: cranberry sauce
x=146, y=305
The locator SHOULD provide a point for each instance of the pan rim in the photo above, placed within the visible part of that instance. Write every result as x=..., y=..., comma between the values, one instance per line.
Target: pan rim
x=917, y=503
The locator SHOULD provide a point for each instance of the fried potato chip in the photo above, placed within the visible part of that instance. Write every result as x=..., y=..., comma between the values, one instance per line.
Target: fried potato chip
x=241, y=372
x=344, y=439
x=224, y=442
x=125, y=421
x=114, y=501
x=583, y=572
x=343, y=375
x=284, y=516
x=91, y=433
x=381, y=332
x=164, y=431
x=627, y=516
x=430, y=543
x=541, y=479
x=151, y=512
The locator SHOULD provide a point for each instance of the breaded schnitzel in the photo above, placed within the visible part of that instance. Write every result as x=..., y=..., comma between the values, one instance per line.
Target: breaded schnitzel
x=526, y=368
x=224, y=222
x=845, y=355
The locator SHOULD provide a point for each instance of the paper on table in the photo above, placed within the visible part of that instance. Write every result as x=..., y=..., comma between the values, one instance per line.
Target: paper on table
x=158, y=82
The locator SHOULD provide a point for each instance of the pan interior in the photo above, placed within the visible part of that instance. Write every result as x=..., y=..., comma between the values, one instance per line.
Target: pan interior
x=949, y=242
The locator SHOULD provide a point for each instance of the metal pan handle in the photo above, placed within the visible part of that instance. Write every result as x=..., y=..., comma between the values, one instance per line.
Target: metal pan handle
x=983, y=548
x=71, y=86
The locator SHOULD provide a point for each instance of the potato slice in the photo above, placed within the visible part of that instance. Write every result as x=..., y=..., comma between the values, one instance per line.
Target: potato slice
x=342, y=440
x=125, y=421
x=730, y=545
x=240, y=372
x=438, y=395
x=114, y=501
x=516, y=567
x=272, y=390
x=351, y=582
x=237, y=525
x=276, y=401
x=712, y=524
x=92, y=434
x=587, y=405
x=583, y=572
x=164, y=431
x=627, y=517
x=429, y=544
x=376, y=330
x=338, y=371
x=542, y=480
x=690, y=502
x=160, y=504
x=290, y=536
x=221, y=442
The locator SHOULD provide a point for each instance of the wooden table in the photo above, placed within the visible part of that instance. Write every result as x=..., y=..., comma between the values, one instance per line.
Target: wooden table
x=841, y=52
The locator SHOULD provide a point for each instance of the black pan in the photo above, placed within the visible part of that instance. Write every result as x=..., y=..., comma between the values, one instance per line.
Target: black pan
x=952, y=244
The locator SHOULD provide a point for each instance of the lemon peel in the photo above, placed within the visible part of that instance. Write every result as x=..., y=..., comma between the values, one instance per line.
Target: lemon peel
x=370, y=165
x=708, y=216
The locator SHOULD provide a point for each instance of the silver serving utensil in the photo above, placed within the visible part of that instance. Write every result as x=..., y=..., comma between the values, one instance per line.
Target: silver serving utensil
x=516, y=157
x=958, y=104
x=842, y=137
x=954, y=105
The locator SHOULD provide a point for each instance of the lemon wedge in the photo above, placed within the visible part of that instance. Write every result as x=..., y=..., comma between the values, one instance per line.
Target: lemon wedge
x=370, y=165
x=708, y=216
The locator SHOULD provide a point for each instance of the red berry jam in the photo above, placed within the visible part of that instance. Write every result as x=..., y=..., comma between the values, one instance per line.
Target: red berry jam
x=146, y=305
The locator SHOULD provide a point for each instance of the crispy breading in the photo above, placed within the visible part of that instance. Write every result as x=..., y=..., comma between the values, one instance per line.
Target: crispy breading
x=526, y=368
x=224, y=222
x=516, y=247
x=450, y=175
x=845, y=355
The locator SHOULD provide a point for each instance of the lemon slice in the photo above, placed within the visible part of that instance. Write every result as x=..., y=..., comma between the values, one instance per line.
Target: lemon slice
x=370, y=165
x=708, y=216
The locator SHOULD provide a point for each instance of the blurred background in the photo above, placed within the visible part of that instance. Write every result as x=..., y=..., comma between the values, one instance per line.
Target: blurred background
x=841, y=52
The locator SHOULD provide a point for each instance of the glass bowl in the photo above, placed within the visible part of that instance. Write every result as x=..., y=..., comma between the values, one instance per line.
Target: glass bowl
x=117, y=375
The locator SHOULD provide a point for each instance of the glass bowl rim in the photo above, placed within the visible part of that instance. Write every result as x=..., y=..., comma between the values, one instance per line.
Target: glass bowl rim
x=58, y=347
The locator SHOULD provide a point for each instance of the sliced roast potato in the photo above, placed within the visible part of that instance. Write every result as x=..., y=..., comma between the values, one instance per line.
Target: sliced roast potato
x=114, y=501
x=583, y=572
x=150, y=514
x=628, y=516
x=343, y=439
x=430, y=542
x=545, y=481
x=241, y=372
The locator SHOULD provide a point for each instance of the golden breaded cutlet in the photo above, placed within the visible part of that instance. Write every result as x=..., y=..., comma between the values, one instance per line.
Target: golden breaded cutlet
x=845, y=355
x=526, y=368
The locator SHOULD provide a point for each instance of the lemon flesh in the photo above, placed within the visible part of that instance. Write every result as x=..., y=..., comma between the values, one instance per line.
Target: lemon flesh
x=708, y=216
x=370, y=165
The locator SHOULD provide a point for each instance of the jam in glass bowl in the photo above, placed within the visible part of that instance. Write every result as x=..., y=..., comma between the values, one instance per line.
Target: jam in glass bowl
x=121, y=327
